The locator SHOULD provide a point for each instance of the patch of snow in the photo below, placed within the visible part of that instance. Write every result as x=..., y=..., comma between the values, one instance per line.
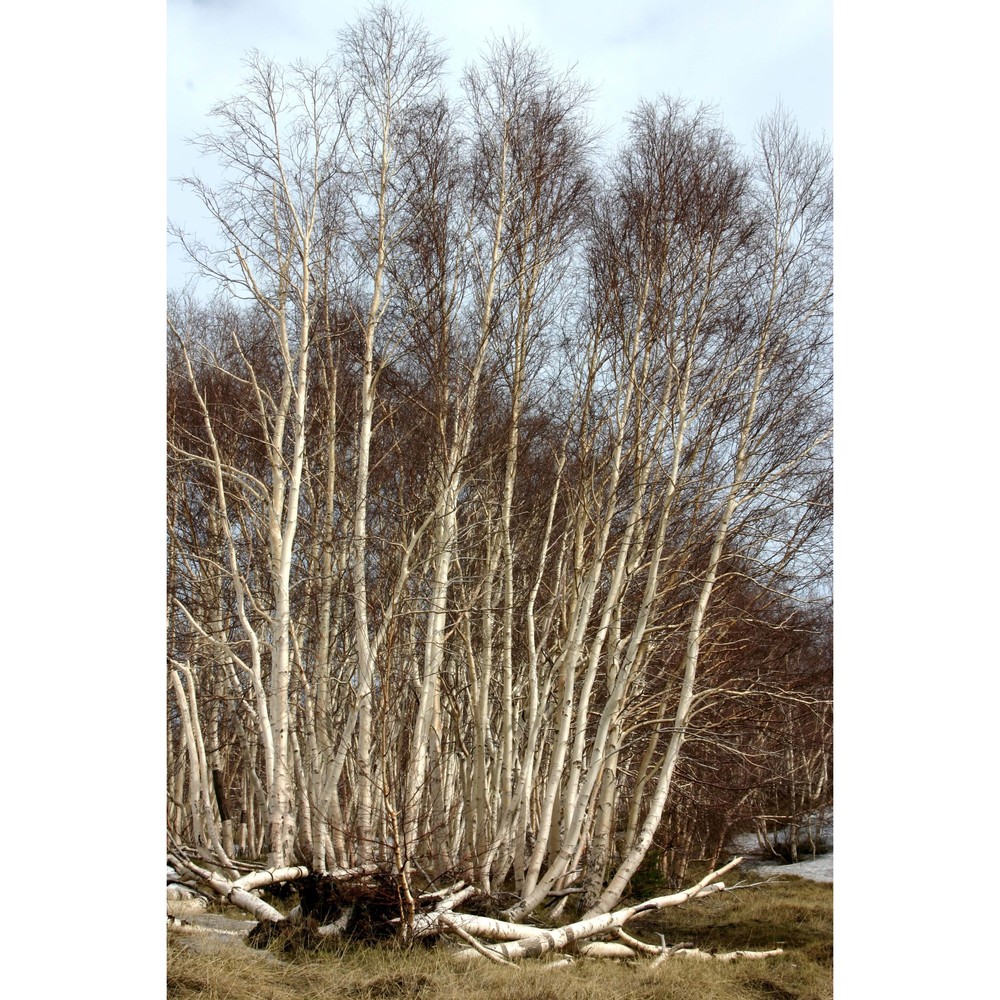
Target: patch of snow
x=818, y=869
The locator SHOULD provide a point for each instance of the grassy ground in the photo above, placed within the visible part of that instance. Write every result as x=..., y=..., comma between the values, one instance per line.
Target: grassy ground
x=797, y=916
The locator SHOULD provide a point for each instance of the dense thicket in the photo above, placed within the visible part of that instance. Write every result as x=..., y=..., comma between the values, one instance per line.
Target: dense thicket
x=499, y=477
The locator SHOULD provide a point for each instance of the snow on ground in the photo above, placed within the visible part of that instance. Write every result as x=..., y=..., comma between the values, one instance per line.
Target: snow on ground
x=818, y=869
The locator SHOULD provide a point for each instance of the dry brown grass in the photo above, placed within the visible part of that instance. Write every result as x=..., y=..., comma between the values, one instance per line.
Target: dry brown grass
x=796, y=915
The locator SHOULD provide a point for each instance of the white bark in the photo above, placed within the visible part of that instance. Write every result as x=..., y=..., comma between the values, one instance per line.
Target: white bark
x=606, y=949
x=726, y=956
x=449, y=925
x=553, y=940
x=484, y=927
x=232, y=892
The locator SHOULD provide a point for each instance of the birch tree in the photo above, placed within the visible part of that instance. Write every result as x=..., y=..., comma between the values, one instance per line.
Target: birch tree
x=390, y=65
x=767, y=422
x=490, y=464
x=277, y=142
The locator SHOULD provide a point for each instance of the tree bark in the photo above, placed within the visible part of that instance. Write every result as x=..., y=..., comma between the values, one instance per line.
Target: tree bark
x=553, y=940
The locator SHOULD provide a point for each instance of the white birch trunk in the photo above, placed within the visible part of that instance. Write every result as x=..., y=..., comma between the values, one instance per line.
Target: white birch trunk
x=552, y=940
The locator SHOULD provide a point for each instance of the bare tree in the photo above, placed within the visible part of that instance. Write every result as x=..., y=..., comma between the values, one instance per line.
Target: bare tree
x=490, y=465
x=277, y=142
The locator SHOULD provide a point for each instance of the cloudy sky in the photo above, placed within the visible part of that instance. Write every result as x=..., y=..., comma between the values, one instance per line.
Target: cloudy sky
x=741, y=56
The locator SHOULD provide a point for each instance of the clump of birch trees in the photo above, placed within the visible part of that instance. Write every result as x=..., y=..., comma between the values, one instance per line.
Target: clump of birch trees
x=499, y=477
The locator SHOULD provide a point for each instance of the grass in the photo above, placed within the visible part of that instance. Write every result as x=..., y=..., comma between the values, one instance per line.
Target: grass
x=796, y=915
x=790, y=913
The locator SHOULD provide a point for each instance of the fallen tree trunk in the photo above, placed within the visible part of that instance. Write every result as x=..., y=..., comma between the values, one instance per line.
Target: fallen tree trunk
x=428, y=924
x=449, y=924
x=240, y=892
x=726, y=956
x=231, y=892
x=425, y=924
x=554, y=940
x=257, y=880
x=213, y=923
x=606, y=949
x=361, y=902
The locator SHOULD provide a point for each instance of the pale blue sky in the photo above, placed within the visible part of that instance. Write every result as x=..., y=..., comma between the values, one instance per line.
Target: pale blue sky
x=742, y=56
